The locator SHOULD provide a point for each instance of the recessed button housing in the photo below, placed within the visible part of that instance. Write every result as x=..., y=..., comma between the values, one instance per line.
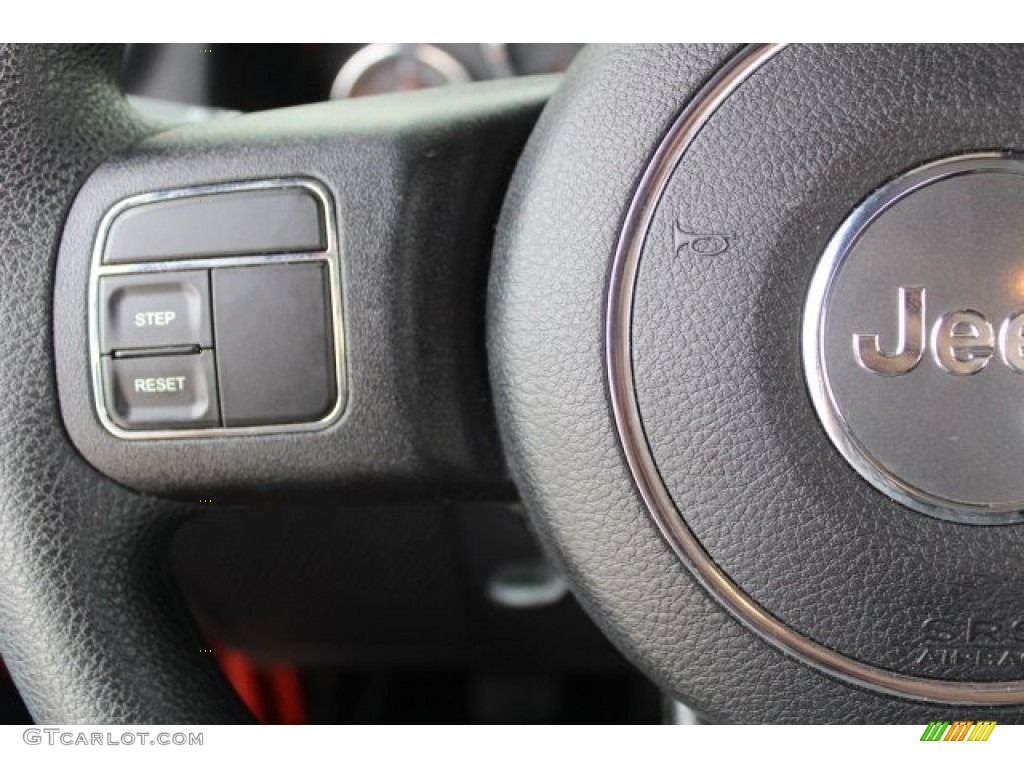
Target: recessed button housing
x=171, y=392
x=155, y=310
x=215, y=311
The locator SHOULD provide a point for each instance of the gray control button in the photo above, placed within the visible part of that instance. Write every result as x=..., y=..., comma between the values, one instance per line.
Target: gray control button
x=218, y=224
x=161, y=310
x=174, y=391
x=274, y=343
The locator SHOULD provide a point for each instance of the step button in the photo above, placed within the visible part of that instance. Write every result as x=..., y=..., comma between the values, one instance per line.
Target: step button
x=169, y=392
x=155, y=310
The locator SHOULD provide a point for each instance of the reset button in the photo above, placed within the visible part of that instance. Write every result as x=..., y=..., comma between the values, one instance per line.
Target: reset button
x=173, y=391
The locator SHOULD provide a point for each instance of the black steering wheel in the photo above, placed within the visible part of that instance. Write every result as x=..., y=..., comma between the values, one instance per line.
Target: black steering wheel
x=691, y=239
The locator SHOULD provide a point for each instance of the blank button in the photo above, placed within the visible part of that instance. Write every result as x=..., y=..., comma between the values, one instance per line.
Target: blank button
x=272, y=332
x=253, y=221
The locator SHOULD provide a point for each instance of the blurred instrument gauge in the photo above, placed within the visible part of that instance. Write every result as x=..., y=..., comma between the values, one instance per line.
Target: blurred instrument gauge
x=390, y=67
x=510, y=59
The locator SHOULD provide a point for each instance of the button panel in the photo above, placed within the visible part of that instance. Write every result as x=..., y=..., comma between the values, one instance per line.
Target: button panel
x=188, y=341
x=155, y=310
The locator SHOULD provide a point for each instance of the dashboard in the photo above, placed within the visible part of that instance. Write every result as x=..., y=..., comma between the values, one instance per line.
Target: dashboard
x=250, y=78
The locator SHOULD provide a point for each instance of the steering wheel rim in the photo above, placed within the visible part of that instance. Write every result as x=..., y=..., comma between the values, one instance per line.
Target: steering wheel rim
x=92, y=628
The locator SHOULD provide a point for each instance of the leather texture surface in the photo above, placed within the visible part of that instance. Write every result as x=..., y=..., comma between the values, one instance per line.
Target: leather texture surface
x=547, y=301
x=717, y=356
x=91, y=627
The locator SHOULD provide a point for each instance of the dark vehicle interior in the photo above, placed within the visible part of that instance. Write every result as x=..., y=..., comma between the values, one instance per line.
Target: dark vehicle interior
x=511, y=383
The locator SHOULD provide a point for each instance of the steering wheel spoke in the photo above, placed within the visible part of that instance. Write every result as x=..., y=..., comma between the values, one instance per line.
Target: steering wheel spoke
x=138, y=261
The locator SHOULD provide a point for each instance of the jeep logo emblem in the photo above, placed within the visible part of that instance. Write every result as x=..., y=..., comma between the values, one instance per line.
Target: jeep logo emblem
x=913, y=339
x=962, y=341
